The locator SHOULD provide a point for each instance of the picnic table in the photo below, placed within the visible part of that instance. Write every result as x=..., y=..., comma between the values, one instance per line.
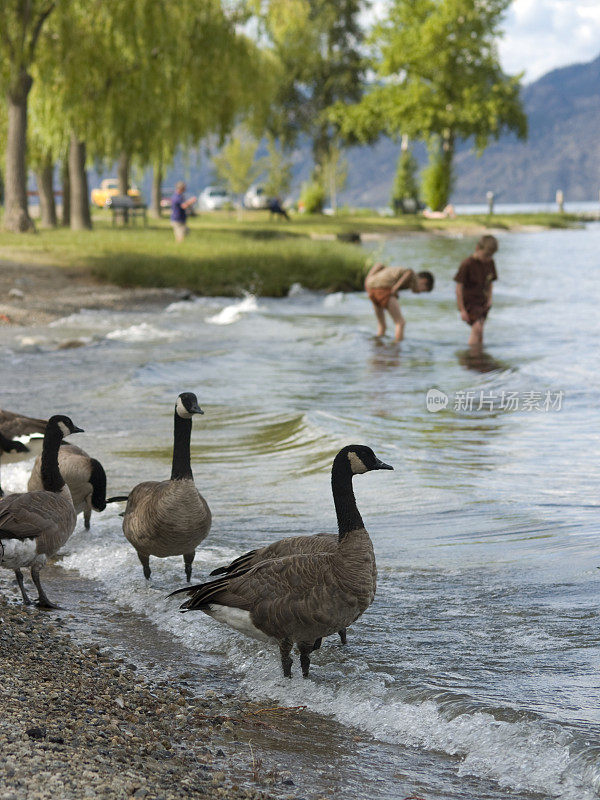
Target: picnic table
x=127, y=208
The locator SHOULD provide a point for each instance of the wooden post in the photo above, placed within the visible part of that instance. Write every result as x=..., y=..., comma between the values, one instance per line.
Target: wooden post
x=560, y=201
x=490, y=201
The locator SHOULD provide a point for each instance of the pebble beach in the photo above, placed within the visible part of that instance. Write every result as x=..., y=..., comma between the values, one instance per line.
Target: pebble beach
x=78, y=723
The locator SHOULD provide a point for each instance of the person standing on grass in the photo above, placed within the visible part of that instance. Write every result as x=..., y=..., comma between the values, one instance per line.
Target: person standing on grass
x=179, y=206
x=383, y=284
x=474, y=287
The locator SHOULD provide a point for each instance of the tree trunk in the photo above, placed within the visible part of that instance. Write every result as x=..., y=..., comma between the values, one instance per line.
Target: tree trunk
x=66, y=192
x=80, y=203
x=123, y=177
x=123, y=173
x=44, y=176
x=16, y=216
x=155, y=209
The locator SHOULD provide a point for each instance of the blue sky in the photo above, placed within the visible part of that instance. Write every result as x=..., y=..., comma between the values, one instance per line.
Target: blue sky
x=543, y=34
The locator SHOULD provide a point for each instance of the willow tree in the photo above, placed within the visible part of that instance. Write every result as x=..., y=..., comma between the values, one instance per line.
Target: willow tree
x=211, y=75
x=439, y=80
x=20, y=29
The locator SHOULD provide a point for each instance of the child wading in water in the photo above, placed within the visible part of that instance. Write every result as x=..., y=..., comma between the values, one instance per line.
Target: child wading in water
x=474, y=286
x=383, y=284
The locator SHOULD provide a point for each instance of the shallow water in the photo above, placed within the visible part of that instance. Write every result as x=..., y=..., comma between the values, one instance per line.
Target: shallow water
x=475, y=672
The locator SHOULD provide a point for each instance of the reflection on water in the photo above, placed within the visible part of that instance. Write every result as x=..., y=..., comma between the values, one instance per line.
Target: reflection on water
x=474, y=673
x=480, y=360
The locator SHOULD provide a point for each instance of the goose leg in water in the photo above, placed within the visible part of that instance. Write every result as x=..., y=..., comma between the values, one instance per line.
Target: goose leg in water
x=285, y=648
x=19, y=575
x=42, y=600
x=187, y=560
x=146, y=565
x=342, y=634
x=318, y=643
x=305, y=651
x=87, y=512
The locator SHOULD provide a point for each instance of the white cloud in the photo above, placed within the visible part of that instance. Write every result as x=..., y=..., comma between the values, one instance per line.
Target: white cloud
x=541, y=35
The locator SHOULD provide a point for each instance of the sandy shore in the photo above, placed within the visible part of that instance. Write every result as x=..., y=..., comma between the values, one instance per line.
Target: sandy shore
x=37, y=295
x=78, y=723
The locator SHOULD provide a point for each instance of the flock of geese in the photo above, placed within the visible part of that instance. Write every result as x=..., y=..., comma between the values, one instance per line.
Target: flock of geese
x=295, y=591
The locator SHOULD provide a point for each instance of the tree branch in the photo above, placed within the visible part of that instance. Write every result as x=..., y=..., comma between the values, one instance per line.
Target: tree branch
x=38, y=27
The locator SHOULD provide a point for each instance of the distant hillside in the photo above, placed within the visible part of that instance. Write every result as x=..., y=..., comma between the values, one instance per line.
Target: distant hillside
x=562, y=152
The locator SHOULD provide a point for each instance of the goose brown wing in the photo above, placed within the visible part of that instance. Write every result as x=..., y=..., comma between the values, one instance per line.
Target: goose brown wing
x=12, y=424
x=293, y=545
x=33, y=514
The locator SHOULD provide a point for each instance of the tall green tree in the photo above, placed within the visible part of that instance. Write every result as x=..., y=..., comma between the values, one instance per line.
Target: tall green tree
x=318, y=48
x=439, y=80
x=20, y=29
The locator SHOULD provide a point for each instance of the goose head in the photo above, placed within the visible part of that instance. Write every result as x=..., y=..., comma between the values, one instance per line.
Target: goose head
x=358, y=458
x=187, y=405
x=64, y=425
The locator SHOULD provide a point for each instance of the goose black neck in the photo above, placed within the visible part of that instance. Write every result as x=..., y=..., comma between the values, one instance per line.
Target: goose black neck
x=348, y=516
x=181, y=449
x=52, y=480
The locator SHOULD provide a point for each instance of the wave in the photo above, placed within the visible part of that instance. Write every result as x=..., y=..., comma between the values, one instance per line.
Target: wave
x=142, y=332
x=235, y=311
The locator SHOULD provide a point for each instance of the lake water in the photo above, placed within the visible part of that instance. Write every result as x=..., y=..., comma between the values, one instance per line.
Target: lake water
x=475, y=673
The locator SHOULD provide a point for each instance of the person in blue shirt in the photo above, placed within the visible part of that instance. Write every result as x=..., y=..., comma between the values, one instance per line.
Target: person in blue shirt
x=179, y=206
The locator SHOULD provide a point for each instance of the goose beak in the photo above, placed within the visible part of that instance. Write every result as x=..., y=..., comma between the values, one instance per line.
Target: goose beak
x=195, y=409
x=75, y=429
x=380, y=465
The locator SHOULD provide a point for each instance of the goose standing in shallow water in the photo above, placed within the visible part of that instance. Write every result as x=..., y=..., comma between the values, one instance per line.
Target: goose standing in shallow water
x=302, y=598
x=170, y=518
x=34, y=525
x=84, y=476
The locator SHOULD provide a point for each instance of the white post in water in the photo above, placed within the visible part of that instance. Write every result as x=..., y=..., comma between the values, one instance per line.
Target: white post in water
x=490, y=201
x=560, y=201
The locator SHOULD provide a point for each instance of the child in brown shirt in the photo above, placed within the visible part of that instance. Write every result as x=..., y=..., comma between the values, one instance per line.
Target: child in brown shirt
x=383, y=284
x=474, y=286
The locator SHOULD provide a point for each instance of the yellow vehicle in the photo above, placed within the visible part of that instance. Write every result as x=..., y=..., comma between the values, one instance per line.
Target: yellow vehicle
x=110, y=188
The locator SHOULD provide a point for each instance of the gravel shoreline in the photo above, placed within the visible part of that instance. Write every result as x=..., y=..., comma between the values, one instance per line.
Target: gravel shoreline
x=37, y=295
x=78, y=723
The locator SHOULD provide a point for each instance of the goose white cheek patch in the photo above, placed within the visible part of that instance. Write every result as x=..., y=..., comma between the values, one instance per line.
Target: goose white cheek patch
x=356, y=464
x=182, y=410
x=65, y=431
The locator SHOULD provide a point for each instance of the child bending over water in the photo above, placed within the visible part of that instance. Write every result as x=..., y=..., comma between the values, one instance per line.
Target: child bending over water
x=383, y=284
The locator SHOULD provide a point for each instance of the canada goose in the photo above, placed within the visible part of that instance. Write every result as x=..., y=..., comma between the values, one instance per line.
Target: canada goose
x=302, y=598
x=170, y=518
x=10, y=446
x=84, y=476
x=13, y=424
x=34, y=525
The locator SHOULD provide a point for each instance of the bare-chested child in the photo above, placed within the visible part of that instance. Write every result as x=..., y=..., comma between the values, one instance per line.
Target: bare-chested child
x=383, y=284
x=474, y=287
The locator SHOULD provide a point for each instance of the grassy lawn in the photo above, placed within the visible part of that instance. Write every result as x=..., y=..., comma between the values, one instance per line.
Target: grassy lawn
x=226, y=254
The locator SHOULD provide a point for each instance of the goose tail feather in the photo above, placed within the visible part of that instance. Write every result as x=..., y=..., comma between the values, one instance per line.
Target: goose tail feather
x=236, y=566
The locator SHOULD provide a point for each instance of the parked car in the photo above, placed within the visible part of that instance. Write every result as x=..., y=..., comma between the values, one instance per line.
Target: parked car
x=256, y=197
x=214, y=198
x=110, y=188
